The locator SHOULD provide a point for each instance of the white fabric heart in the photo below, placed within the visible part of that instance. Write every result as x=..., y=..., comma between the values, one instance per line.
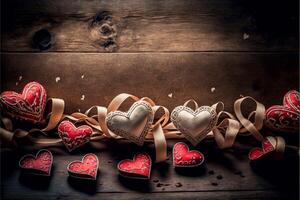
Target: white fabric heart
x=194, y=125
x=132, y=125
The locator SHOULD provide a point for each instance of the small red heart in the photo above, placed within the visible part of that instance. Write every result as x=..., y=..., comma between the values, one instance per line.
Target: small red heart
x=28, y=106
x=74, y=137
x=285, y=118
x=183, y=157
x=268, y=146
x=87, y=168
x=139, y=167
x=39, y=164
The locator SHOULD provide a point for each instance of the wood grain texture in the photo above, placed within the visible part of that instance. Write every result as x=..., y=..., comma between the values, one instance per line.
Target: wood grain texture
x=264, y=76
x=131, y=26
x=239, y=179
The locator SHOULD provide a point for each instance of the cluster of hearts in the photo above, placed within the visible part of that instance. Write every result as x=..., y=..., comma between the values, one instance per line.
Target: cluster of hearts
x=145, y=120
x=138, y=168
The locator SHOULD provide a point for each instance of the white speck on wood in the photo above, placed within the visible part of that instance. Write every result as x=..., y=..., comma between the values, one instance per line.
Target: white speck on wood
x=20, y=78
x=170, y=95
x=82, y=76
x=82, y=97
x=17, y=83
x=213, y=89
x=246, y=36
x=57, y=79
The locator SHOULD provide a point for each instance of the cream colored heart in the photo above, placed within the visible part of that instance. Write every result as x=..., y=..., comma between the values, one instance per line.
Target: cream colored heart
x=194, y=125
x=133, y=125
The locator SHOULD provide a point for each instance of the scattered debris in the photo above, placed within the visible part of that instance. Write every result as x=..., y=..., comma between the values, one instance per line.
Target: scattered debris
x=82, y=97
x=213, y=89
x=79, y=110
x=246, y=36
x=237, y=172
x=82, y=76
x=170, y=95
x=57, y=79
x=155, y=180
x=211, y=172
x=178, y=184
x=159, y=184
x=219, y=177
x=214, y=184
x=17, y=83
x=109, y=161
x=20, y=78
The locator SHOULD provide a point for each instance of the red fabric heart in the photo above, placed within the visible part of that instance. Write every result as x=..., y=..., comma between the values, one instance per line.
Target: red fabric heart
x=28, y=106
x=139, y=167
x=74, y=137
x=39, y=164
x=182, y=157
x=285, y=118
x=267, y=148
x=87, y=168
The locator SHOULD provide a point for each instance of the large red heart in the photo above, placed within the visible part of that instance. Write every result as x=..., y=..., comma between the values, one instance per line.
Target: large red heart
x=87, y=168
x=268, y=146
x=74, y=137
x=183, y=157
x=28, y=106
x=285, y=118
x=139, y=167
x=40, y=164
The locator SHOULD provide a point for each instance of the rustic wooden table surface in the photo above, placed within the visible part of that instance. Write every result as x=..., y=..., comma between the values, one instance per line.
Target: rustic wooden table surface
x=170, y=51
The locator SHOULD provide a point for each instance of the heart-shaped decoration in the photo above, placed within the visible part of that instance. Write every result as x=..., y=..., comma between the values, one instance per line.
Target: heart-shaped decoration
x=268, y=146
x=285, y=118
x=40, y=164
x=194, y=125
x=183, y=157
x=74, y=137
x=133, y=125
x=139, y=167
x=87, y=168
x=28, y=106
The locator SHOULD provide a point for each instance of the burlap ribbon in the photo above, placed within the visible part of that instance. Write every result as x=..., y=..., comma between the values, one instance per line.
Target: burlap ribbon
x=224, y=132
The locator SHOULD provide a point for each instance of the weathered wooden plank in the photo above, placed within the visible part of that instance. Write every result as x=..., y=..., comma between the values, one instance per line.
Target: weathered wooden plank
x=265, y=76
x=237, y=175
x=152, y=26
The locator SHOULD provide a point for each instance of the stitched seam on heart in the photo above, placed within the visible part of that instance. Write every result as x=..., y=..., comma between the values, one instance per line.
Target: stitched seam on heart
x=138, y=140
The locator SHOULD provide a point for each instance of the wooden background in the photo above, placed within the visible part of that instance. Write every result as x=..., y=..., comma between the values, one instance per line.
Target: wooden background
x=153, y=48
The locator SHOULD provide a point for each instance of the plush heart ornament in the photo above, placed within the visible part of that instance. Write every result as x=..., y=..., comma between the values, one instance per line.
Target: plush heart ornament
x=87, y=168
x=285, y=118
x=268, y=147
x=139, y=167
x=194, y=125
x=183, y=157
x=132, y=125
x=28, y=106
x=40, y=164
x=74, y=137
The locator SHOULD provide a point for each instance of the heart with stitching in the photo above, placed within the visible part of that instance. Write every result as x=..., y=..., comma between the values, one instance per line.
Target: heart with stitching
x=194, y=125
x=40, y=164
x=132, y=125
x=268, y=146
x=74, y=137
x=183, y=157
x=138, y=168
x=28, y=106
x=285, y=118
x=87, y=168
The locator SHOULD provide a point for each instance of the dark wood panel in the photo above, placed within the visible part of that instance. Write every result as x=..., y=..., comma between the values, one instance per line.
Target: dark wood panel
x=265, y=76
x=239, y=179
x=105, y=26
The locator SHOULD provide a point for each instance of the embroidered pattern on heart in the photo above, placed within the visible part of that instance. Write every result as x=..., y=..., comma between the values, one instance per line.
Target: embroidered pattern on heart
x=40, y=164
x=194, y=125
x=133, y=125
x=28, y=106
x=285, y=118
x=182, y=157
x=139, y=167
x=74, y=137
x=268, y=146
x=87, y=168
